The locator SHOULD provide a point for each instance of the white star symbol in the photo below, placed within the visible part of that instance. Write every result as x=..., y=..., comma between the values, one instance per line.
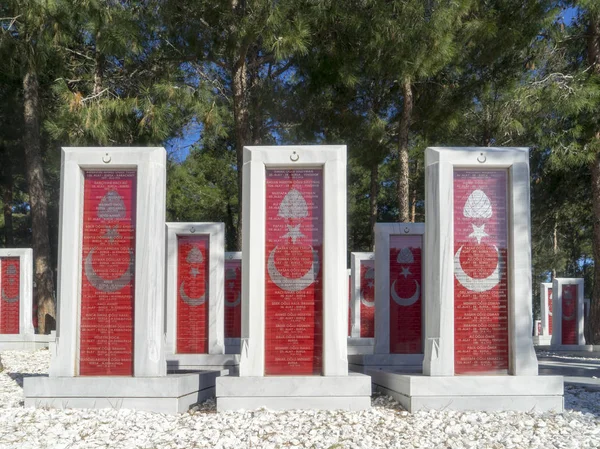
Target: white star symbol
x=294, y=233
x=231, y=284
x=194, y=272
x=370, y=284
x=568, y=294
x=112, y=233
x=478, y=232
x=405, y=272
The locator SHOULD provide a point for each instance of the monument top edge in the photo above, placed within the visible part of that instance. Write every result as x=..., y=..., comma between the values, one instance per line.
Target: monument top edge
x=295, y=155
x=477, y=156
x=118, y=149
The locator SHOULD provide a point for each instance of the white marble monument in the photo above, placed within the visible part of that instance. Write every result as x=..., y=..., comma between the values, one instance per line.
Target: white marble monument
x=109, y=349
x=294, y=284
x=398, y=300
x=478, y=348
x=545, y=337
x=567, y=306
x=362, y=303
x=195, y=298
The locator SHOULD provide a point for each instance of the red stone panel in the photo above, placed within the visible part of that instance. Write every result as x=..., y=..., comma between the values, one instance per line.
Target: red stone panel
x=233, y=296
x=10, y=294
x=193, y=256
x=108, y=271
x=569, y=314
x=293, y=272
x=367, y=298
x=405, y=294
x=480, y=273
x=550, y=311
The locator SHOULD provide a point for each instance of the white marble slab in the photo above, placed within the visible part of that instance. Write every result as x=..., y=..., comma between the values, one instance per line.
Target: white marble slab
x=546, y=315
x=557, y=300
x=26, y=330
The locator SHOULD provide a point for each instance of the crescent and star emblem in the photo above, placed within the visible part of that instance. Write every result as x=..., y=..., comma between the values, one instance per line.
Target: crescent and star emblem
x=369, y=276
x=293, y=206
x=108, y=285
x=194, y=256
x=569, y=302
x=477, y=206
x=230, y=276
x=405, y=255
x=11, y=270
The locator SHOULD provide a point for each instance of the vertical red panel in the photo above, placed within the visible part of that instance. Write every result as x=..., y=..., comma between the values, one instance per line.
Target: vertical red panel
x=293, y=277
x=10, y=294
x=367, y=298
x=233, y=296
x=480, y=274
x=108, y=270
x=193, y=257
x=569, y=314
x=405, y=294
x=550, y=311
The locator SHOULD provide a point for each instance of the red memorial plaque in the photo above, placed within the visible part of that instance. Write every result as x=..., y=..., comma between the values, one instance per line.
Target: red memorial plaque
x=405, y=294
x=10, y=292
x=108, y=270
x=550, y=311
x=480, y=274
x=293, y=278
x=569, y=314
x=233, y=296
x=192, y=293
x=367, y=298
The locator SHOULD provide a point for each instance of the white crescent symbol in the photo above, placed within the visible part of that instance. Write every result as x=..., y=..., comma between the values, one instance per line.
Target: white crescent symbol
x=293, y=284
x=405, y=301
x=370, y=274
x=190, y=301
x=108, y=285
x=7, y=299
x=572, y=315
x=473, y=284
x=230, y=274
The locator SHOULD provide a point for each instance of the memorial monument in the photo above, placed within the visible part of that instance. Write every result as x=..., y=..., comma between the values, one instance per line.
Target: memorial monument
x=567, y=306
x=478, y=348
x=294, y=297
x=233, y=301
x=195, y=298
x=545, y=335
x=398, y=300
x=362, y=303
x=109, y=349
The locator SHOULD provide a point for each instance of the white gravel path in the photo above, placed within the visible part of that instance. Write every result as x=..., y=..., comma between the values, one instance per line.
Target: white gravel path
x=385, y=425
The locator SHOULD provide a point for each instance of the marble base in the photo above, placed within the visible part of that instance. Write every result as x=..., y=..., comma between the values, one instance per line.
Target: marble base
x=352, y=392
x=171, y=394
x=203, y=362
x=476, y=393
x=232, y=346
x=25, y=342
x=542, y=340
x=570, y=348
x=360, y=345
x=405, y=363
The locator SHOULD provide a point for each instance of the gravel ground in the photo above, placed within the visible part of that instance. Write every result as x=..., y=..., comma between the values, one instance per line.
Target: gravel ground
x=385, y=425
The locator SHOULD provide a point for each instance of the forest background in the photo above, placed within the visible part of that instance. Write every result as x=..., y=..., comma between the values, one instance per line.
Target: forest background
x=385, y=77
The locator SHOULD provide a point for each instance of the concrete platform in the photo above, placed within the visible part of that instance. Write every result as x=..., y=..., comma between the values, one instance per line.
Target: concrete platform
x=542, y=340
x=171, y=394
x=203, y=362
x=360, y=345
x=25, y=342
x=405, y=363
x=352, y=392
x=477, y=393
x=569, y=348
x=577, y=371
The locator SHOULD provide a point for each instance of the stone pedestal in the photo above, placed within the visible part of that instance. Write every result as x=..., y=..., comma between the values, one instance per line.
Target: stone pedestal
x=294, y=284
x=362, y=304
x=195, y=298
x=568, y=314
x=109, y=349
x=398, y=300
x=233, y=301
x=478, y=348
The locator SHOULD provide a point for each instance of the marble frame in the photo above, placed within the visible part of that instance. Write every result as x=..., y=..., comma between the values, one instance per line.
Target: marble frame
x=440, y=163
x=232, y=345
x=544, y=308
x=383, y=232
x=150, y=164
x=25, y=256
x=557, y=310
x=355, y=260
x=332, y=160
x=216, y=282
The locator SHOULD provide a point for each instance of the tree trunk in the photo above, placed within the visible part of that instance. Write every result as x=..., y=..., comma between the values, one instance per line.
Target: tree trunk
x=98, y=67
x=39, y=207
x=7, y=199
x=403, y=170
x=373, y=201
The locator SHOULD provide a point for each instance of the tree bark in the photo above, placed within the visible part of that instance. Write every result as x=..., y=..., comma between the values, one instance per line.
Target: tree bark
x=38, y=205
x=7, y=199
x=373, y=201
x=98, y=67
x=403, y=169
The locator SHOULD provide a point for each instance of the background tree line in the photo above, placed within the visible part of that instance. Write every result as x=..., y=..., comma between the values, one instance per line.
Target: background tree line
x=386, y=77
